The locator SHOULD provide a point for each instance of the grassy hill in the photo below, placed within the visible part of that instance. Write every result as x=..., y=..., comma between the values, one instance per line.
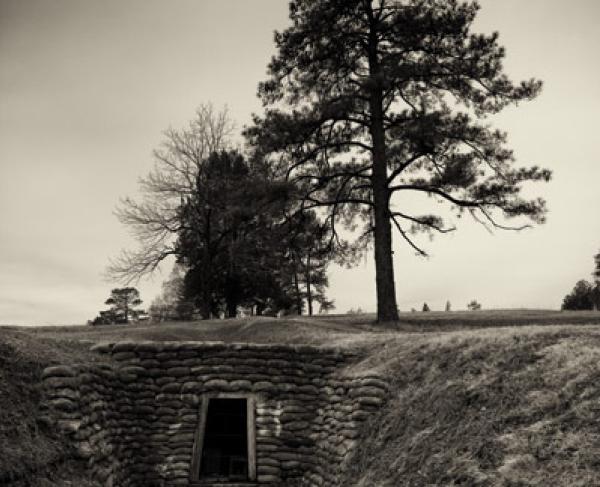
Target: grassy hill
x=503, y=398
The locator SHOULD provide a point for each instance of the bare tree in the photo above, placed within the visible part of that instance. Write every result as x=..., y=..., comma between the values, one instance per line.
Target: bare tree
x=155, y=219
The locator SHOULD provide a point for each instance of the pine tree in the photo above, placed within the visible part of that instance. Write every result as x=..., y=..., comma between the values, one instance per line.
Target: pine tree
x=372, y=100
x=123, y=301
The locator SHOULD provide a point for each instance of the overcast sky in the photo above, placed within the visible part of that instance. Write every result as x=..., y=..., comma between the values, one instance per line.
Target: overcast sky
x=87, y=87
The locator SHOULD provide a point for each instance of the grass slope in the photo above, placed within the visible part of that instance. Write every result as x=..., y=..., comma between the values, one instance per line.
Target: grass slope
x=509, y=408
x=477, y=399
x=32, y=453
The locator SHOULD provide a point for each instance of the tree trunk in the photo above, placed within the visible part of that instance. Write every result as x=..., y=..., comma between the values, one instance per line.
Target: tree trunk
x=308, y=289
x=231, y=308
x=205, y=308
x=232, y=295
x=387, y=309
x=384, y=266
x=298, y=295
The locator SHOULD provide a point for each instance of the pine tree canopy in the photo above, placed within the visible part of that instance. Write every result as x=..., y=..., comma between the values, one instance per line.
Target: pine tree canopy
x=370, y=100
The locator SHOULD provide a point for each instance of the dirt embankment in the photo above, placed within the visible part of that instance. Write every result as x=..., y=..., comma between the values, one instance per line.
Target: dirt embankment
x=496, y=408
x=32, y=453
x=470, y=403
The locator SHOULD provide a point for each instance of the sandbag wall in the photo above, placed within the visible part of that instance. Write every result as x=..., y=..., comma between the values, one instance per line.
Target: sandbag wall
x=136, y=418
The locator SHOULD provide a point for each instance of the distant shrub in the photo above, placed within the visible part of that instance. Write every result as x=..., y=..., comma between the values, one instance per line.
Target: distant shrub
x=357, y=311
x=425, y=308
x=474, y=306
x=583, y=296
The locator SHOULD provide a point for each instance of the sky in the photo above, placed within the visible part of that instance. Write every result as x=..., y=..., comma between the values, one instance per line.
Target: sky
x=88, y=87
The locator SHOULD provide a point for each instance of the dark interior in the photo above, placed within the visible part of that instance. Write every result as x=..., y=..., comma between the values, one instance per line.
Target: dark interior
x=225, y=447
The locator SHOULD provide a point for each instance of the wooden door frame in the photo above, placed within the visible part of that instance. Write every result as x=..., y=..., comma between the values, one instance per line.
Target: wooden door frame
x=201, y=430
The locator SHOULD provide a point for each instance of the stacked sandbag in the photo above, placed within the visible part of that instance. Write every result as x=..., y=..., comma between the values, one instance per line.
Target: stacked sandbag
x=137, y=419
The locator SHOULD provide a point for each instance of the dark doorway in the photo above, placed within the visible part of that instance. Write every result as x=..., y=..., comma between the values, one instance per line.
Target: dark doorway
x=225, y=446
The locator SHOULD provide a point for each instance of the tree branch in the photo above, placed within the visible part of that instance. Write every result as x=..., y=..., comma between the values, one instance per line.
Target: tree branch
x=419, y=251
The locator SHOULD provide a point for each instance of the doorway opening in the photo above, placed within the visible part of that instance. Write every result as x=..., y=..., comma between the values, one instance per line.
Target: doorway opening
x=225, y=445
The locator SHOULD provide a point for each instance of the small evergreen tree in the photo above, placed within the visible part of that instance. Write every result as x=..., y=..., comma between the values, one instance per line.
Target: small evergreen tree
x=122, y=302
x=426, y=307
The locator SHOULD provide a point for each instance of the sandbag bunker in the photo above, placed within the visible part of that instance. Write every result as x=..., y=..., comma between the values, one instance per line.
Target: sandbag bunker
x=211, y=413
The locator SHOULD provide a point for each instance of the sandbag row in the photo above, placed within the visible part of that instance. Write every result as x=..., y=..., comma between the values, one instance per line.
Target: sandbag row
x=136, y=418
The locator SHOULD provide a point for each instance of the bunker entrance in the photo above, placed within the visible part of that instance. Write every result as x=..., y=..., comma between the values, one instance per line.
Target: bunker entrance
x=225, y=449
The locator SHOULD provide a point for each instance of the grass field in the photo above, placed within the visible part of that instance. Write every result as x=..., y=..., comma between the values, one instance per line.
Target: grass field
x=489, y=398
